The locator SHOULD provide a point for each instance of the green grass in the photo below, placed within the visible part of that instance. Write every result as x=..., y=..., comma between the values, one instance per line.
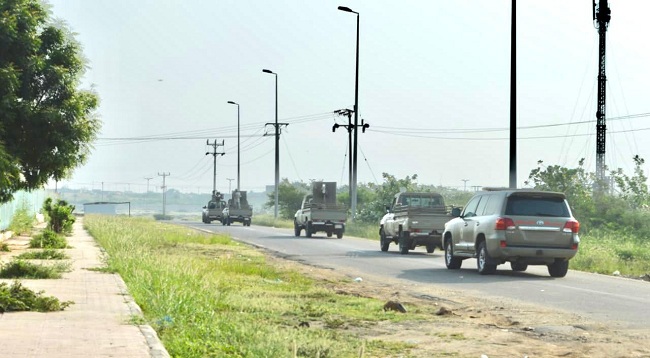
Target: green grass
x=18, y=298
x=606, y=252
x=48, y=239
x=207, y=295
x=47, y=254
x=24, y=269
x=269, y=220
x=22, y=222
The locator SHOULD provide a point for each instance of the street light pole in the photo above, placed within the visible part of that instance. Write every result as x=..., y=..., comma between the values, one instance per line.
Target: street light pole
x=277, y=142
x=238, y=161
x=353, y=201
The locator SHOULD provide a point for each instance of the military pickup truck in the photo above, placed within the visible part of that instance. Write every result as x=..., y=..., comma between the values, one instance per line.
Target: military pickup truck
x=320, y=212
x=414, y=219
x=214, y=210
x=238, y=209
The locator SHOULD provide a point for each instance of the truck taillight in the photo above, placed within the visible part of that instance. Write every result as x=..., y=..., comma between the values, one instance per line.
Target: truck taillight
x=504, y=223
x=572, y=226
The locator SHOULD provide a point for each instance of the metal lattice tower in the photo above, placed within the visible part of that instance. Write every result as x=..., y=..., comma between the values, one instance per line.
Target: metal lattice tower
x=601, y=16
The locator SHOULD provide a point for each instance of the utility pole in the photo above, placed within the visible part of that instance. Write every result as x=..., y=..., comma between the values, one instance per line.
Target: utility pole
x=214, y=153
x=464, y=184
x=348, y=113
x=601, y=16
x=229, y=184
x=513, y=98
x=147, y=179
x=102, y=191
x=164, y=175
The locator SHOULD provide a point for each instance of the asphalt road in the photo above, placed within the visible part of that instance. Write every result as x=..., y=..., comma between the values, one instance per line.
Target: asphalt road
x=619, y=302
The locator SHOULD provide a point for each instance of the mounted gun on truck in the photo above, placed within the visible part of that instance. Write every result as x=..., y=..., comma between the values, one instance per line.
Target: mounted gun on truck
x=414, y=219
x=214, y=210
x=320, y=212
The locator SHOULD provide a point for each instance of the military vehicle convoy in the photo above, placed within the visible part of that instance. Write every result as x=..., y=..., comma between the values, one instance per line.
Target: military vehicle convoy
x=414, y=219
x=235, y=209
x=320, y=212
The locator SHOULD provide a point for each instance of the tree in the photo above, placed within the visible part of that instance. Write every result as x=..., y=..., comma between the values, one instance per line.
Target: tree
x=47, y=125
x=289, y=197
x=375, y=207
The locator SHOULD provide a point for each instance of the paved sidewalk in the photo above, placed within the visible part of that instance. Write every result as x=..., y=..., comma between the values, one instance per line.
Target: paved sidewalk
x=96, y=325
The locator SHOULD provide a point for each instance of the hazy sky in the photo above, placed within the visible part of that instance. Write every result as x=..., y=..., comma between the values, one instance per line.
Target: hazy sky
x=434, y=87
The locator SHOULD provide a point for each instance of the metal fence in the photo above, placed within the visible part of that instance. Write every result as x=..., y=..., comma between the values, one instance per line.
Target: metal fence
x=32, y=201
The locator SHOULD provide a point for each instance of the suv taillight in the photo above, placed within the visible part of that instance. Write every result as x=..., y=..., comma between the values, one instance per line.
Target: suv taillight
x=572, y=226
x=504, y=223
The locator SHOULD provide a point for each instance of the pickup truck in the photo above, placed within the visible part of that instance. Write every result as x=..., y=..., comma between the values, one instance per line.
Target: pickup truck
x=320, y=212
x=414, y=219
x=214, y=210
x=238, y=209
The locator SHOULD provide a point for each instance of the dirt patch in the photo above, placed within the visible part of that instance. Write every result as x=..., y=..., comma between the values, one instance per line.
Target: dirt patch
x=466, y=326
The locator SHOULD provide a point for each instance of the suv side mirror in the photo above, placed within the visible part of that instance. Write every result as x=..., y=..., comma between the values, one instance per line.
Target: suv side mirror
x=455, y=212
x=388, y=209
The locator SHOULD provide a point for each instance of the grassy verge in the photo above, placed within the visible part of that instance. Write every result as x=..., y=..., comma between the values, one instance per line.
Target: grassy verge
x=269, y=220
x=607, y=252
x=207, y=295
x=48, y=239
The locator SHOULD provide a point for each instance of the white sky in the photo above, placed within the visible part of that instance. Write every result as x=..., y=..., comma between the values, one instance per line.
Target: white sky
x=167, y=68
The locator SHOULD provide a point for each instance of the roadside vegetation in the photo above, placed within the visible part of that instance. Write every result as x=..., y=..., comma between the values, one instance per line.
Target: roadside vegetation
x=207, y=295
x=48, y=239
x=47, y=254
x=16, y=297
x=22, y=222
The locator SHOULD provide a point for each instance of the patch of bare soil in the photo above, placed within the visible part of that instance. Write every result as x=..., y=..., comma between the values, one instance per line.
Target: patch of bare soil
x=467, y=326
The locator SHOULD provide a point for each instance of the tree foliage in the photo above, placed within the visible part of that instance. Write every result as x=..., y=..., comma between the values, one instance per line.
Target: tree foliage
x=290, y=197
x=46, y=122
x=375, y=208
x=620, y=204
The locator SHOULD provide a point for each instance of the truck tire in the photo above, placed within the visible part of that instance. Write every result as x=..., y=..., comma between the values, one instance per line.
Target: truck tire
x=516, y=266
x=483, y=260
x=223, y=221
x=384, y=243
x=404, y=242
x=431, y=248
x=296, y=229
x=558, y=268
x=452, y=262
x=308, y=229
x=339, y=234
x=329, y=234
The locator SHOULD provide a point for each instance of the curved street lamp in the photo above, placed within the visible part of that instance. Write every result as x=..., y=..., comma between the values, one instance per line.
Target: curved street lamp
x=277, y=142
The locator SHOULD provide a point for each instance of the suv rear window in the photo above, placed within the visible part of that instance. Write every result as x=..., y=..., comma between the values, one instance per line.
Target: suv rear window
x=536, y=206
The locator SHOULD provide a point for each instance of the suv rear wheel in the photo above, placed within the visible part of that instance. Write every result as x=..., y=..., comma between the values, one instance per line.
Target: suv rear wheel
x=482, y=261
x=559, y=268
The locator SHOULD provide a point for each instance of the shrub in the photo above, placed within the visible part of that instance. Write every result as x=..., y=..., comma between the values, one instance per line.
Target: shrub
x=24, y=269
x=47, y=254
x=22, y=221
x=162, y=217
x=60, y=215
x=4, y=247
x=18, y=298
x=48, y=239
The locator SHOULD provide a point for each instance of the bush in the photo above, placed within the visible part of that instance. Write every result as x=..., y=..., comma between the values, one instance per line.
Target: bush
x=48, y=239
x=60, y=215
x=24, y=269
x=18, y=298
x=22, y=221
x=162, y=217
x=4, y=247
x=47, y=254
